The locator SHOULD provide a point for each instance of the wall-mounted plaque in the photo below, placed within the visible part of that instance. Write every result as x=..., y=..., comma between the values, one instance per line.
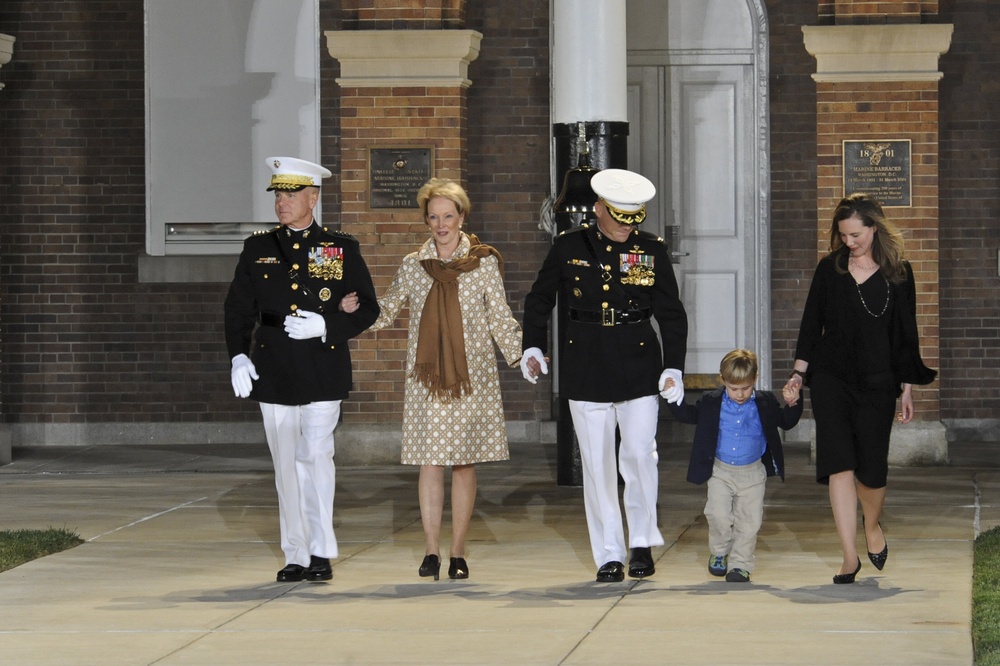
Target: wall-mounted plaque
x=880, y=168
x=395, y=175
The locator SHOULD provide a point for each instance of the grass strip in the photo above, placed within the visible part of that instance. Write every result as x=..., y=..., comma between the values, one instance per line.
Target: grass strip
x=20, y=546
x=986, y=599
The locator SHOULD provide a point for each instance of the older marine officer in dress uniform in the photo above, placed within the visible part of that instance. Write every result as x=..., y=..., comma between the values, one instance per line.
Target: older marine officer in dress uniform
x=615, y=280
x=297, y=365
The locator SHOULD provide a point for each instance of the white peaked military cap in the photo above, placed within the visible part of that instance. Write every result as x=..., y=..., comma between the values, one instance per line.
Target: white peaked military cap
x=291, y=173
x=625, y=193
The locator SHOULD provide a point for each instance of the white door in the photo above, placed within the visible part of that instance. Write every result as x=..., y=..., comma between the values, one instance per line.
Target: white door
x=694, y=130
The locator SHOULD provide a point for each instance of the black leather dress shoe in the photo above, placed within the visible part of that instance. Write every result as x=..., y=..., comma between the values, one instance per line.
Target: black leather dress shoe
x=319, y=569
x=611, y=572
x=292, y=573
x=641, y=563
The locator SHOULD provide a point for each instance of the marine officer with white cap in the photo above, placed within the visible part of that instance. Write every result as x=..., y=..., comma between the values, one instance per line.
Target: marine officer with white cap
x=287, y=339
x=615, y=279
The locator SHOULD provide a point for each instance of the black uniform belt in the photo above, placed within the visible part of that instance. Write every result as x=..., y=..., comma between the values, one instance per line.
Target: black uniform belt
x=272, y=319
x=610, y=316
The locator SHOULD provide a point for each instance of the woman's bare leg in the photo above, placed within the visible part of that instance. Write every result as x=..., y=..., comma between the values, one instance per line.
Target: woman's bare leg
x=463, y=501
x=430, y=489
x=844, y=502
x=872, y=501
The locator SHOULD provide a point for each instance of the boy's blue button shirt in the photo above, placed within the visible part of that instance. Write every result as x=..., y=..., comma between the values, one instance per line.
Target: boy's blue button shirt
x=741, y=436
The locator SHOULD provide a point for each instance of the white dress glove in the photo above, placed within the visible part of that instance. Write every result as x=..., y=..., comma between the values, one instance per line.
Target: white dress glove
x=535, y=353
x=676, y=392
x=307, y=325
x=243, y=373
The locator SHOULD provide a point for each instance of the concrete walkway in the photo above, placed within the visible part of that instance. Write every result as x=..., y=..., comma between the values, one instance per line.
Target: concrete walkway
x=181, y=551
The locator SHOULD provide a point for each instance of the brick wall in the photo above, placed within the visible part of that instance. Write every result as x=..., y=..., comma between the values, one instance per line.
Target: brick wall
x=331, y=17
x=82, y=342
x=508, y=153
x=793, y=176
x=403, y=14
x=970, y=212
x=846, y=12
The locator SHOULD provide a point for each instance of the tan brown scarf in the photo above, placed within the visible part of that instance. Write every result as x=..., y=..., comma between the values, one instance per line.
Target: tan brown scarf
x=441, y=365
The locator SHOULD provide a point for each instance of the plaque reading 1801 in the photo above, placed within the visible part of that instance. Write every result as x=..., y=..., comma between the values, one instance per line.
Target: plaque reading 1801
x=880, y=168
x=396, y=174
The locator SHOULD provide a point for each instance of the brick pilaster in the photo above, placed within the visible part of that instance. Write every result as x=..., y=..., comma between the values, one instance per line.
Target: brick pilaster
x=880, y=82
x=405, y=14
x=848, y=12
x=890, y=110
x=399, y=89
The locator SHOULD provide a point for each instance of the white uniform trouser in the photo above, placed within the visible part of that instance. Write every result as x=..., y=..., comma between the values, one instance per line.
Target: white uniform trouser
x=595, y=423
x=301, y=442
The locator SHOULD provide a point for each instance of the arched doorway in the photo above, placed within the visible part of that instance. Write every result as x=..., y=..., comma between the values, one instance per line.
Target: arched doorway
x=698, y=123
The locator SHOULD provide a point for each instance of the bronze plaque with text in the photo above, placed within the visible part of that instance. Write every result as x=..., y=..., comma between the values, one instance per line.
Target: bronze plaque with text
x=880, y=168
x=396, y=174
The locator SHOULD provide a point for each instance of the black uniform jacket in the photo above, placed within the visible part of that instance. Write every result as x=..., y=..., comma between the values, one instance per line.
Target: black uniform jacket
x=329, y=265
x=705, y=415
x=609, y=363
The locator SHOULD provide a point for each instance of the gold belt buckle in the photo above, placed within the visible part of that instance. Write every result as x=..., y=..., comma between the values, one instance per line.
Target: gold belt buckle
x=608, y=317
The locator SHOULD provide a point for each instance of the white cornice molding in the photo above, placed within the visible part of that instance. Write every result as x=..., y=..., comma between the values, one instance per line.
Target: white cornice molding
x=6, y=50
x=370, y=58
x=898, y=52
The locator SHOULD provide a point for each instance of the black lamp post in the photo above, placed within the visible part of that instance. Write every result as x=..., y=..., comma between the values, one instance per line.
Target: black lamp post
x=592, y=146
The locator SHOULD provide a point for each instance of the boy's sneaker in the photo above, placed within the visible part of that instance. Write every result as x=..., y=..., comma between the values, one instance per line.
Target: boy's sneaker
x=718, y=564
x=738, y=576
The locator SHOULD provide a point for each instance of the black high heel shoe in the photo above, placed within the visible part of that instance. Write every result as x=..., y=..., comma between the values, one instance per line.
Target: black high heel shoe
x=431, y=566
x=878, y=559
x=458, y=568
x=844, y=579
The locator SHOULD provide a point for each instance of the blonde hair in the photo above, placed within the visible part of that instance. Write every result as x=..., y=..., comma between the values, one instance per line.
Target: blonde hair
x=887, y=242
x=447, y=188
x=738, y=366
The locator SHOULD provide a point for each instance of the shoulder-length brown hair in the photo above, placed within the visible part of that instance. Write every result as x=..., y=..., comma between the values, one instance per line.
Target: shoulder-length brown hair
x=887, y=243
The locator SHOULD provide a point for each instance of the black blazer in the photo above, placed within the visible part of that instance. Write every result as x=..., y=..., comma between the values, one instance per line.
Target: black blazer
x=608, y=363
x=705, y=415
x=297, y=372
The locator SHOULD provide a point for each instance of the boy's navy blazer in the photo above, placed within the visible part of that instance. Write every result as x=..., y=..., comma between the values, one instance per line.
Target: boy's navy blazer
x=705, y=415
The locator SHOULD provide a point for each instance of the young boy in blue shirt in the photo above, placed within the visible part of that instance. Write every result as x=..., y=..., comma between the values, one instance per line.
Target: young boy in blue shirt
x=736, y=447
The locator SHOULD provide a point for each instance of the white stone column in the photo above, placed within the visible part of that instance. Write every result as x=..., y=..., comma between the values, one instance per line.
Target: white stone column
x=6, y=53
x=589, y=98
x=588, y=61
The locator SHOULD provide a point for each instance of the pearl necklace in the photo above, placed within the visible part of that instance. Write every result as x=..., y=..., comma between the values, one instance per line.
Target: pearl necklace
x=866, y=269
x=865, y=305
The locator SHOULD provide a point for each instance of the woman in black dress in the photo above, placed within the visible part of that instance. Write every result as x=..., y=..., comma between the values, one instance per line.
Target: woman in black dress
x=858, y=351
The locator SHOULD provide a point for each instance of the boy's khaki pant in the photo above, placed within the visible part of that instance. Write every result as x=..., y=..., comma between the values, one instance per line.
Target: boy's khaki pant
x=735, y=510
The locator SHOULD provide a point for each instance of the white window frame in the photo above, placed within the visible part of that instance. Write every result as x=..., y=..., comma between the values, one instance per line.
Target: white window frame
x=228, y=83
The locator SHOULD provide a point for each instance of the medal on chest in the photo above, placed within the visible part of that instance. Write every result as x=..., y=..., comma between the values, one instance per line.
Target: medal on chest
x=637, y=269
x=326, y=262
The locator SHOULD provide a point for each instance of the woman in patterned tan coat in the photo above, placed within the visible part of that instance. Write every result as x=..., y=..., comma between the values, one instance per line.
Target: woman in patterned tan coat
x=453, y=412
